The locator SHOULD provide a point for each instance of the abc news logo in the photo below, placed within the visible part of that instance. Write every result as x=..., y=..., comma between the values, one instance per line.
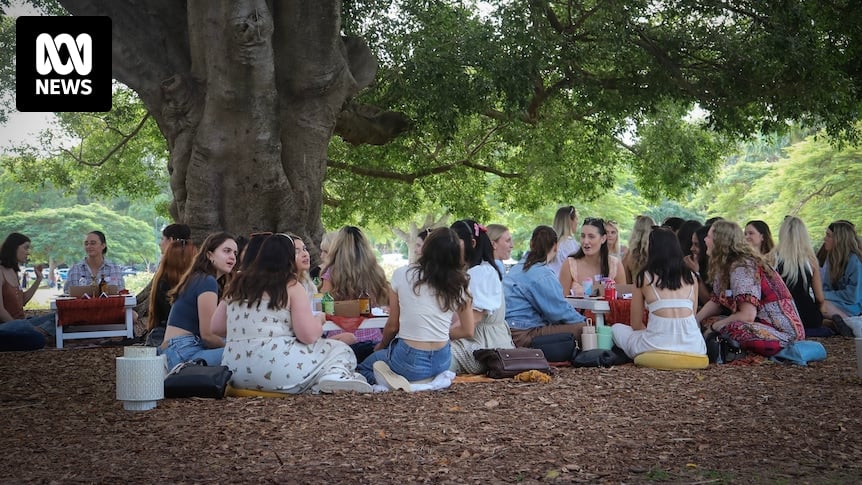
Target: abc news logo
x=63, y=64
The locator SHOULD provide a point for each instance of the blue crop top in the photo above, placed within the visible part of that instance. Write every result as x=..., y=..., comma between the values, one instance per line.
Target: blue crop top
x=184, y=312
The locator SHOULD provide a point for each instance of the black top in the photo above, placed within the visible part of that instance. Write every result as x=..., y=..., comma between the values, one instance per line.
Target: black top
x=808, y=309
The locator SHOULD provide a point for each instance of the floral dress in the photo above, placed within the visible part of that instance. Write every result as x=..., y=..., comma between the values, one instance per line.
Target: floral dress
x=265, y=355
x=777, y=322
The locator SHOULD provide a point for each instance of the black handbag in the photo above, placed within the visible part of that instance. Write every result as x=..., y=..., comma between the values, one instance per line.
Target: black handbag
x=600, y=358
x=722, y=350
x=507, y=363
x=197, y=379
x=557, y=347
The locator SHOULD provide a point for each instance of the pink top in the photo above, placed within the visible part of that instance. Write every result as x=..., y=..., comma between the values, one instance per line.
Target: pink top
x=577, y=288
x=13, y=300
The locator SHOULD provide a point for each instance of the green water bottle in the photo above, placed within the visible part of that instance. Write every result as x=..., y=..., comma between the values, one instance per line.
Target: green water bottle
x=328, y=304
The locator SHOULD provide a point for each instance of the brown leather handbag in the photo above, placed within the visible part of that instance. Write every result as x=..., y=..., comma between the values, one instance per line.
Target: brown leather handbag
x=507, y=363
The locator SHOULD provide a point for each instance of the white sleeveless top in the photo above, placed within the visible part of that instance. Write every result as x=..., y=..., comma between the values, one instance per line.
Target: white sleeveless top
x=660, y=304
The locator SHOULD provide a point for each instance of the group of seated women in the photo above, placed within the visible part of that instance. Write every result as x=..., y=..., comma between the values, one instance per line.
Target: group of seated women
x=251, y=308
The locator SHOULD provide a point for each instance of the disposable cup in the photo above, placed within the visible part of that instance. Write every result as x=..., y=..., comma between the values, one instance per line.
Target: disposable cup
x=605, y=337
x=859, y=356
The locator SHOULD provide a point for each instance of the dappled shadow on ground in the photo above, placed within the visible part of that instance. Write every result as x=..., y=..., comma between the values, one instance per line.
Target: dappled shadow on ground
x=726, y=424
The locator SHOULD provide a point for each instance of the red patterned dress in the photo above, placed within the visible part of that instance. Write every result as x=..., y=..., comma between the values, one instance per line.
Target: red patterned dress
x=777, y=322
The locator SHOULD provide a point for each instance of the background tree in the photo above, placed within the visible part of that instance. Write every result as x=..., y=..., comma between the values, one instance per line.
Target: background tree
x=97, y=155
x=58, y=234
x=550, y=99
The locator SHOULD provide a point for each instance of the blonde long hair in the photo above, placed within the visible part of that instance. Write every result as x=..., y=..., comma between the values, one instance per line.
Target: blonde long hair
x=793, y=253
x=613, y=250
x=730, y=250
x=638, y=242
x=353, y=268
x=563, y=222
x=844, y=243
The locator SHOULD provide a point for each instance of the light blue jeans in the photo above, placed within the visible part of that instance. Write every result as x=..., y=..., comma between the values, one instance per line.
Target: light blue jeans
x=190, y=347
x=411, y=363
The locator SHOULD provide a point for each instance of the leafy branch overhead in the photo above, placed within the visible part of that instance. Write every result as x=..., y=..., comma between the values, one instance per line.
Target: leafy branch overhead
x=617, y=80
x=534, y=101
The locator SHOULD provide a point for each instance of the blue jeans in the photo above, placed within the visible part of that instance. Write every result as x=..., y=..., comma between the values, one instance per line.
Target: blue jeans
x=20, y=335
x=411, y=363
x=190, y=347
x=47, y=323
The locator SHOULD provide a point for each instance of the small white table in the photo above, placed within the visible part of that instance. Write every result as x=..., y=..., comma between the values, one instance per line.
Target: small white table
x=126, y=329
x=373, y=322
x=599, y=307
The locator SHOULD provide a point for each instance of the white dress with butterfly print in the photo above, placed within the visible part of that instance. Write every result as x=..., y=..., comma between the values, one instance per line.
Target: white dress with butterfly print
x=265, y=355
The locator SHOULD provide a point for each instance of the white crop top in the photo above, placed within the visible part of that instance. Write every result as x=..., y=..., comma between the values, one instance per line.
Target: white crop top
x=421, y=318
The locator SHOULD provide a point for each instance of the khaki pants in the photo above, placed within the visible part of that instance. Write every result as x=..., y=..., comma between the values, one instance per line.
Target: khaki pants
x=523, y=338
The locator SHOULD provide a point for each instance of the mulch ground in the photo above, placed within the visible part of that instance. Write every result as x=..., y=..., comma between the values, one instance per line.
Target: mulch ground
x=768, y=423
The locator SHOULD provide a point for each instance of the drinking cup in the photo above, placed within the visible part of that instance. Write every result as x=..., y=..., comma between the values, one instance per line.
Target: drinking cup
x=605, y=337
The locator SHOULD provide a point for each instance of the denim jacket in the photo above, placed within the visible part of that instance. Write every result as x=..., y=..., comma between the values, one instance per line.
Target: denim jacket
x=534, y=298
x=847, y=294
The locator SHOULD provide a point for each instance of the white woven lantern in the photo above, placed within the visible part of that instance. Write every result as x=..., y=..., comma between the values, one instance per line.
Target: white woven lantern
x=140, y=378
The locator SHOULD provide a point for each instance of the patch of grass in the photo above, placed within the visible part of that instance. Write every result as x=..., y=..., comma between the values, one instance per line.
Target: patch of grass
x=658, y=475
x=720, y=476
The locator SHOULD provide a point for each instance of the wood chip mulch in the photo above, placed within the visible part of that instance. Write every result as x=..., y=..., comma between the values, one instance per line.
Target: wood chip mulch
x=766, y=423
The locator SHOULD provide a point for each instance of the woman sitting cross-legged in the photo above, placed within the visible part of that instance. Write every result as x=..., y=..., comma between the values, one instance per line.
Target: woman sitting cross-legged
x=842, y=278
x=273, y=340
x=489, y=309
x=189, y=334
x=422, y=302
x=177, y=256
x=17, y=332
x=797, y=264
x=669, y=290
x=763, y=316
x=534, y=298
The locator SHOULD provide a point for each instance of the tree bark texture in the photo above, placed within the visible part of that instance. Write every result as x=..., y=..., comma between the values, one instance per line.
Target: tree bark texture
x=247, y=94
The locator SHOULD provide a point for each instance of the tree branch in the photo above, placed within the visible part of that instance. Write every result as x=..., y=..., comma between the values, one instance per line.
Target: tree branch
x=126, y=138
x=409, y=178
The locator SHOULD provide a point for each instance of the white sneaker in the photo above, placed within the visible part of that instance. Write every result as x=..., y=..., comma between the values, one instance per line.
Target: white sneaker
x=333, y=384
x=389, y=378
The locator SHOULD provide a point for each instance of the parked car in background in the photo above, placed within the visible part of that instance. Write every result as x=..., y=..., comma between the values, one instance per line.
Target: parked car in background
x=129, y=271
x=30, y=273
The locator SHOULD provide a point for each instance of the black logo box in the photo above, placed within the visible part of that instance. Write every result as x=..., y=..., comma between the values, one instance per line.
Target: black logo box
x=98, y=80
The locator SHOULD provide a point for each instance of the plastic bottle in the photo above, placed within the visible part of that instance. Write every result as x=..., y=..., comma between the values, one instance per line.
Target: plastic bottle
x=317, y=302
x=589, y=339
x=328, y=304
x=364, y=304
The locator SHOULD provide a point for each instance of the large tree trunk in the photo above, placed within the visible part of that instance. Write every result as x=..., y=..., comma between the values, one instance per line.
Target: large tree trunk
x=247, y=94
